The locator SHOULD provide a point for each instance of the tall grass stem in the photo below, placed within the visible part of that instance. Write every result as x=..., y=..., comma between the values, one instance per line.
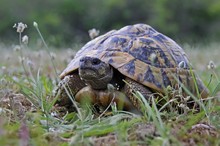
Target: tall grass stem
x=46, y=46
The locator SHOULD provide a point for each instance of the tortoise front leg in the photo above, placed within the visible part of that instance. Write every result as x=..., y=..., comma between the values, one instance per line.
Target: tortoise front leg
x=103, y=99
x=129, y=89
x=121, y=100
x=67, y=88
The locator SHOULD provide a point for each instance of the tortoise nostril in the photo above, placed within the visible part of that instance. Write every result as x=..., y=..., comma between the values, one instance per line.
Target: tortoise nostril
x=96, y=61
x=82, y=60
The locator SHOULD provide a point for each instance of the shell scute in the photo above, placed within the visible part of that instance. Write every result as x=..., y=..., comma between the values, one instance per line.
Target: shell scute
x=166, y=80
x=130, y=68
x=150, y=77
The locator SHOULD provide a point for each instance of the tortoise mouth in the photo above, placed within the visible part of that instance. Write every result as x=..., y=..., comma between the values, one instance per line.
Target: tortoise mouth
x=89, y=73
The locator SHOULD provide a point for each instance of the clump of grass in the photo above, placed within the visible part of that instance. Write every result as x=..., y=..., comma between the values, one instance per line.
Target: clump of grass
x=35, y=87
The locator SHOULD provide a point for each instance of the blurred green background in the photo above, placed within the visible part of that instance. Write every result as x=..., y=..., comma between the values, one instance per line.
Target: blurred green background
x=64, y=22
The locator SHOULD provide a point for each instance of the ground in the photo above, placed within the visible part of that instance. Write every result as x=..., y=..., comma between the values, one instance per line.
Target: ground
x=28, y=77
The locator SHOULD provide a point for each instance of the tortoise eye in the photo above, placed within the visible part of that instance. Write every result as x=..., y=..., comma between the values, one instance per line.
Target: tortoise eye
x=96, y=61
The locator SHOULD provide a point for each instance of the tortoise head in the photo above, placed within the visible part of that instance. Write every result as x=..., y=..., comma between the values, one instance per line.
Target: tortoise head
x=95, y=72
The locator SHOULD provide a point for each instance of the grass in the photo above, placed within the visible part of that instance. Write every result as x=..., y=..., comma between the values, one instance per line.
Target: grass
x=28, y=77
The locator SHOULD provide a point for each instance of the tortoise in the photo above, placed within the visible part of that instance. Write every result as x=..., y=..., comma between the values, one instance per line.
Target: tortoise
x=133, y=58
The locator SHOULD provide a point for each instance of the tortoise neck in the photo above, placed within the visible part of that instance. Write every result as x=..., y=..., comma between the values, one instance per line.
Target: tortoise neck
x=100, y=83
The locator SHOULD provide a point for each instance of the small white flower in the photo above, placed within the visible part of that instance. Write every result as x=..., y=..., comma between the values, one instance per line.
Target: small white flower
x=183, y=106
x=21, y=59
x=17, y=48
x=16, y=79
x=93, y=33
x=15, y=25
x=35, y=24
x=53, y=114
x=30, y=64
x=211, y=65
x=52, y=55
x=25, y=39
x=20, y=27
x=3, y=68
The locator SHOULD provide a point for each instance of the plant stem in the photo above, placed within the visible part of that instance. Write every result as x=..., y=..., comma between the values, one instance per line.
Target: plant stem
x=47, y=49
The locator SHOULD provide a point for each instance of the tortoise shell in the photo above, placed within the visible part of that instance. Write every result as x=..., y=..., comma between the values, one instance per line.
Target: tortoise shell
x=144, y=55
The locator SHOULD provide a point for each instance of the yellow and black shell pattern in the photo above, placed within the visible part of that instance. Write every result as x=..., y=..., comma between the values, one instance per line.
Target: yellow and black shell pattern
x=144, y=55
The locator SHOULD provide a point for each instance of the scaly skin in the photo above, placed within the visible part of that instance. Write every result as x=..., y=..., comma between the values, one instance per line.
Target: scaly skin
x=67, y=88
x=103, y=98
